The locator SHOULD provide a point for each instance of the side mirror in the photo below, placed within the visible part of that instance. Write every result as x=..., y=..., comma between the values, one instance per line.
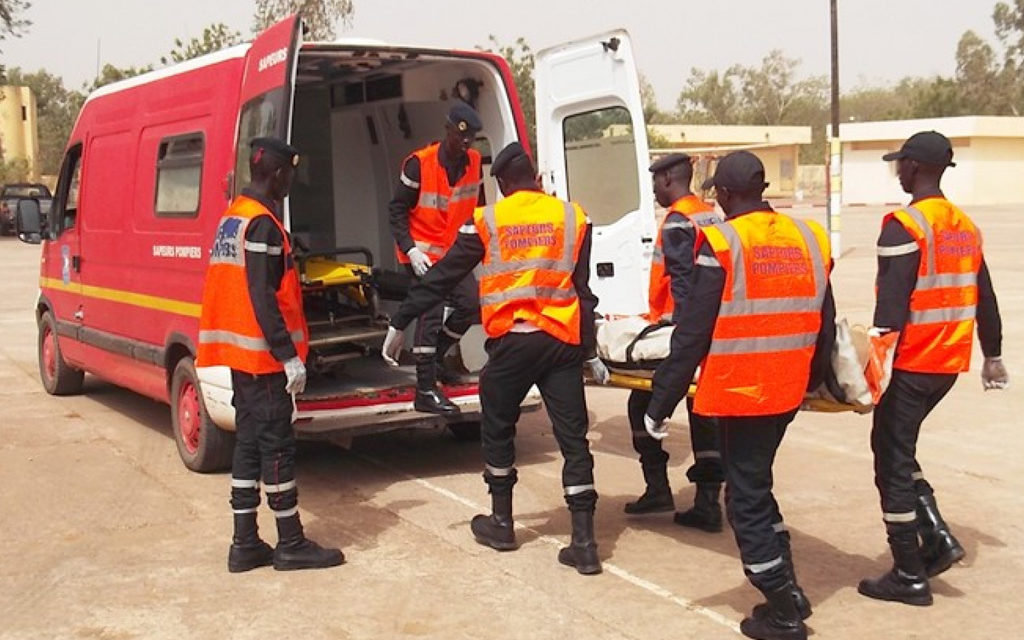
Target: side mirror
x=29, y=221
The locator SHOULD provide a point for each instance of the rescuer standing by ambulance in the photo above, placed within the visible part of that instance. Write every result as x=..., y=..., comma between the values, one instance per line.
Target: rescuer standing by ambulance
x=762, y=319
x=252, y=321
x=932, y=286
x=438, y=188
x=538, y=312
x=672, y=272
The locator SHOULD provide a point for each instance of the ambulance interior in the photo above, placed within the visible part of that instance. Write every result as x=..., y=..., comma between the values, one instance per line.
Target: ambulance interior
x=358, y=112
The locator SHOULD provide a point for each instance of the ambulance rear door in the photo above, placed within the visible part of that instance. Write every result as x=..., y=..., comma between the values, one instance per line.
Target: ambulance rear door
x=267, y=93
x=592, y=149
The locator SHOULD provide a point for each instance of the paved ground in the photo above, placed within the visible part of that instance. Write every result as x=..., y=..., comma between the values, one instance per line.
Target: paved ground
x=106, y=535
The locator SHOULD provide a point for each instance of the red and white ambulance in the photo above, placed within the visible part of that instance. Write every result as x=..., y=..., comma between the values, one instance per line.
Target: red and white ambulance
x=153, y=162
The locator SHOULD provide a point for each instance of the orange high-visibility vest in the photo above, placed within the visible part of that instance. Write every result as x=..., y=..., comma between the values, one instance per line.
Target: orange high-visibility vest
x=776, y=273
x=692, y=212
x=441, y=209
x=229, y=334
x=531, y=246
x=938, y=333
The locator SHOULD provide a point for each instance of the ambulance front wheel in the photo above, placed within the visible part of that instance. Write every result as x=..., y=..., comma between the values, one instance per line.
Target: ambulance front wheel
x=202, y=445
x=58, y=377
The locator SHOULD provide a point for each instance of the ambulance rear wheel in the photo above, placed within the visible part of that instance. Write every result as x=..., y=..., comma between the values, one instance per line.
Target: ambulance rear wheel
x=465, y=431
x=58, y=377
x=202, y=445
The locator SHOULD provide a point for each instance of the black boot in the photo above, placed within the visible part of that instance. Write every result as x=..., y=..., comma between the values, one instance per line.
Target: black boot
x=939, y=549
x=428, y=398
x=497, y=530
x=776, y=619
x=658, y=495
x=706, y=513
x=582, y=550
x=906, y=582
x=296, y=551
x=803, y=605
x=247, y=550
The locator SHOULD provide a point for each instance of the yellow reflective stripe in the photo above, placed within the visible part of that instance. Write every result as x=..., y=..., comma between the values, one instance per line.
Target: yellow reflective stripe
x=170, y=305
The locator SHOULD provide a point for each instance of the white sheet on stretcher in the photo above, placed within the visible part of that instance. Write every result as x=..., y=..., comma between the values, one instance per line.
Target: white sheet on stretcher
x=624, y=350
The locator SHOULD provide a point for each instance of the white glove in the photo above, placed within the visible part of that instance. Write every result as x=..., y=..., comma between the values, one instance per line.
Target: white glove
x=295, y=372
x=421, y=262
x=994, y=375
x=657, y=430
x=392, y=349
x=597, y=371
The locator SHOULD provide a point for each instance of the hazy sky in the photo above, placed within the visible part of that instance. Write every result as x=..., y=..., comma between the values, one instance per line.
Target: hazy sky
x=880, y=40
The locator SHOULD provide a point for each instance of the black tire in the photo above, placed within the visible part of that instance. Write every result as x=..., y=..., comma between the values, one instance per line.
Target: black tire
x=465, y=431
x=202, y=445
x=58, y=377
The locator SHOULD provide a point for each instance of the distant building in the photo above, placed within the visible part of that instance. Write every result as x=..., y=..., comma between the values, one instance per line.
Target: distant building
x=778, y=147
x=19, y=138
x=988, y=152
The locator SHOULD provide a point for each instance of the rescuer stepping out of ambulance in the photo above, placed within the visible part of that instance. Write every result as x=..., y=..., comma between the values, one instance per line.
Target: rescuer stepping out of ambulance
x=762, y=319
x=252, y=321
x=537, y=309
x=932, y=287
x=438, y=188
x=672, y=274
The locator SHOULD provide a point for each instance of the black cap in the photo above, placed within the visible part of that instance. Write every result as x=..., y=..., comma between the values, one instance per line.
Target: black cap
x=930, y=147
x=667, y=162
x=506, y=156
x=276, y=147
x=464, y=117
x=740, y=171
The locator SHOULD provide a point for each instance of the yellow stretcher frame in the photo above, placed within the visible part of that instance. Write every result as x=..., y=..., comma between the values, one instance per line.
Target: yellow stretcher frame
x=624, y=381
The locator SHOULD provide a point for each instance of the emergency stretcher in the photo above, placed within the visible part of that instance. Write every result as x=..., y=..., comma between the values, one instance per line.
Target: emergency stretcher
x=632, y=349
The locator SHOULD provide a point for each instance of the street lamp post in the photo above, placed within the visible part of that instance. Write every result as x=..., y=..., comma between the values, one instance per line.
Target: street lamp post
x=835, y=150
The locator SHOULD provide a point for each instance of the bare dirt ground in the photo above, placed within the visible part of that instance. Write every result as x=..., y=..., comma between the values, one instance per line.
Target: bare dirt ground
x=106, y=535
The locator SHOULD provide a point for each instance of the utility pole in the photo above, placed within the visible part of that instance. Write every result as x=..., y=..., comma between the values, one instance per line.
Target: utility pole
x=835, y=149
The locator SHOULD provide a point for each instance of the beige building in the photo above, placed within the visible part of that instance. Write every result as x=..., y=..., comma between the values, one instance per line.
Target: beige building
x=19, y=138
x=778, y=147
x=988, y=151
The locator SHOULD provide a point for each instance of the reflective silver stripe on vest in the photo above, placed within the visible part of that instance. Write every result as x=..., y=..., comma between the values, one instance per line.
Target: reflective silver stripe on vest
x=263, y=247
x=469, y=228
x=741, y=305
x=705, y=218
x=222, y=336
x=943, y=314
x=426, y=247
x=929, y=237
x=521, y=293
x=946, y=280
x=763, y=344
x=680, y=224
x=577, y=489
x=763, y=566
x=469, y=190
x=708, y=261
x=898, y=250
x=496, y=266
x=431, y=200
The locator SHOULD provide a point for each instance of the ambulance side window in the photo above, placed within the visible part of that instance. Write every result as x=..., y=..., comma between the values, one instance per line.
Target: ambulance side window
x=64, y=211
x=259, y=117
x=179, y=172
x=600, y=158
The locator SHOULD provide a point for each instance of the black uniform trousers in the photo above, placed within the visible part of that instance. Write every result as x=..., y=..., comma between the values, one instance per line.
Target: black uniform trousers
x=896, y=423
x=464, y=300
x=264, y=443
x=707, y=461
x=516, y=362
x=748, y=452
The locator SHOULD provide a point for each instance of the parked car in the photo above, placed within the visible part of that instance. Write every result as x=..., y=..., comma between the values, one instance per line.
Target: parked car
x=13, y=192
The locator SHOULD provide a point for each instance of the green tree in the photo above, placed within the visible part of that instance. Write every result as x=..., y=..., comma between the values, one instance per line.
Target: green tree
x=215, y=37
x=710, y=97
x=11, y=22
x=14, y=170
x=56, y=109
x=319, y=16
x=519, y=57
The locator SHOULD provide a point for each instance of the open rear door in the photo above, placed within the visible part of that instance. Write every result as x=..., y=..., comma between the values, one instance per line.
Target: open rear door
x=592, y=149
x=268, y=88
